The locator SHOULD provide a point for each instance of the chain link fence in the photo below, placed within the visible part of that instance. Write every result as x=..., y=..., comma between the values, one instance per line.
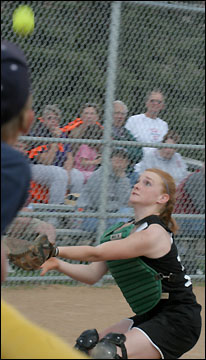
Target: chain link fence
x=83, y=56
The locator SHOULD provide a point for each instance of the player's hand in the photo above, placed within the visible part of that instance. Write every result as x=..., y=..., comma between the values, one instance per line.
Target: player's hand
x=50, y=264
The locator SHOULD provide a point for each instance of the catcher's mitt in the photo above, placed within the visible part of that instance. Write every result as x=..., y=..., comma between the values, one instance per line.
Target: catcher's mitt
x=27, y=255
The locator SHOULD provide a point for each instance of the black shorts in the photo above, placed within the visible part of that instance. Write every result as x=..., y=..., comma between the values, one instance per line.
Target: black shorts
x=172, y=328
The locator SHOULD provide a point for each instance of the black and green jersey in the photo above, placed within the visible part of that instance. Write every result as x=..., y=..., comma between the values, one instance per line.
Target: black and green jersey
x=142, y=280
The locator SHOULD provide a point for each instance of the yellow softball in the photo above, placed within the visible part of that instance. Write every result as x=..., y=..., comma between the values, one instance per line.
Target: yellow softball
x=23, y=20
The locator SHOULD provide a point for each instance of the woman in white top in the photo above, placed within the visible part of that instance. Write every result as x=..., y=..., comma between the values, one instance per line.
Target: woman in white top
x=148, y=127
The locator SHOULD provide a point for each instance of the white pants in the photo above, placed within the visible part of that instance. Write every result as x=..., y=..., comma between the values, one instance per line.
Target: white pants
x=56, y=179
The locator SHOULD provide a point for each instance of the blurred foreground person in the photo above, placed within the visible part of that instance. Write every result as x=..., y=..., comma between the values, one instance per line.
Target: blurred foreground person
x=20, y=339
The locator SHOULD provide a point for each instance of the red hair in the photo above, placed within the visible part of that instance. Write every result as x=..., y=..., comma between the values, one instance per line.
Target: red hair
x=169, y=187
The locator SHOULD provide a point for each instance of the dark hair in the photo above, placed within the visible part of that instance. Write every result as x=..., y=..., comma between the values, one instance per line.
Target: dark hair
x=15, y=81
x=119, y=151
x=90, y=104
x=171, y=135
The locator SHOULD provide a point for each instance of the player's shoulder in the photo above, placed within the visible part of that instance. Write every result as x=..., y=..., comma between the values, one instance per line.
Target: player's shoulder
x=9, y=153
x=155, y=233
x=13, y=159
x=154, y=229
x=13, y=165
x=151, y=220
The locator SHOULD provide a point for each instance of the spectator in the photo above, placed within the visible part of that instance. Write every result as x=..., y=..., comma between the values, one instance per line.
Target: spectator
x=88, y=156
x=118, y=190
x=57, y=156
x=165, y=159
x=148, y=128
x=53, y=180
x=89, y=115
x=49, y=126
x=190, y=199
x=119, y=132
x=50, y=184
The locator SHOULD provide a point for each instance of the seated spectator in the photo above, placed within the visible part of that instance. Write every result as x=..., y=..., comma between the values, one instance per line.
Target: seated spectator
x=166, y=159
x=56, y=155
x=88, y=156
x=49, y=126
x=119, y=132
x=48, y=184
x=89, y=115
x=147, y=127
x=118, y=193
x=53, y=180
x=190, y=199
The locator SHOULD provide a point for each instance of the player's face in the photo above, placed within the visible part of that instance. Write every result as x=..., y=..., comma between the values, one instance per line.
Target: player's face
x=155, y=103
x=89, y=115
x=148, y=190
x=119, y=115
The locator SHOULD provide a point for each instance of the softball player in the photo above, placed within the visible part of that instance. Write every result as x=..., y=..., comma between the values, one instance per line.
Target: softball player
x=163, y=326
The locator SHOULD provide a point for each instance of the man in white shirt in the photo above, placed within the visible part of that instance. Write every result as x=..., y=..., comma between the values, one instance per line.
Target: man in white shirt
x=165, y=159
x=148, y=128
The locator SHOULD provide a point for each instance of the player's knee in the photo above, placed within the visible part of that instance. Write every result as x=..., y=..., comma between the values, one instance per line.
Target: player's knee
x=87, y=340
x=108, y=345
x=106, y=348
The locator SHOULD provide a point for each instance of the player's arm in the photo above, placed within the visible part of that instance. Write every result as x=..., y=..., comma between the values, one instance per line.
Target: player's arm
x=152, y=242
x=88, y=274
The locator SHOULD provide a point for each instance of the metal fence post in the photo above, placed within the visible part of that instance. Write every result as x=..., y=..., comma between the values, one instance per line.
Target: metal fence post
x=110, y=93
